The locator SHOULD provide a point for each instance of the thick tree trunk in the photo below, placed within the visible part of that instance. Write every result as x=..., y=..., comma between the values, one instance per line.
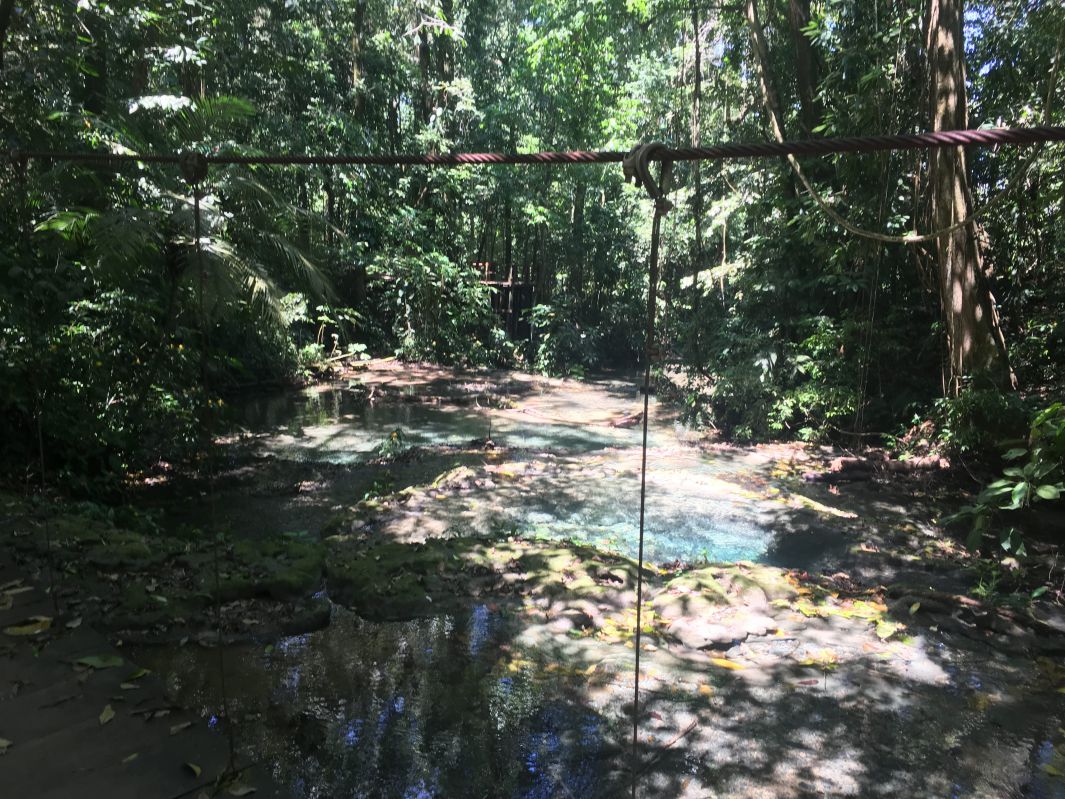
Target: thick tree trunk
x=975, y=343
x=805, y=65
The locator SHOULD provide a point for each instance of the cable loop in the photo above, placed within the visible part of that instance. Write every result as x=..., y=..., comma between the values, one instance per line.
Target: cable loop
x=637, y=168
x=193, y=167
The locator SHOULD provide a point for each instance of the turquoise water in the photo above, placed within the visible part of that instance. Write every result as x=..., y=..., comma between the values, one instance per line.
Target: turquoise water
x=589, y=491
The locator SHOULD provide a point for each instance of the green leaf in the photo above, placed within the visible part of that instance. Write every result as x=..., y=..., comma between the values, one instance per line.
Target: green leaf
x=5, y=744
x=886, y=629
x=34, y=625
x=1039, y=592
x=106, y=715
x=1013, y=454
x=100, y=661
x=1050, y=492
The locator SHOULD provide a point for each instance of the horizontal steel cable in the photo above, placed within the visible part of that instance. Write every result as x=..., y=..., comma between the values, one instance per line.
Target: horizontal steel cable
x=988, y=137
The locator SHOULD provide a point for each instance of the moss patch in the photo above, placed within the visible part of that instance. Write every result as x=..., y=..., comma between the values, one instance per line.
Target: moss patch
x=393, y=580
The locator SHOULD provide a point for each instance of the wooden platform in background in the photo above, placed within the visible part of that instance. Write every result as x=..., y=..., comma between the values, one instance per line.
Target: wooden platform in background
x=50, y=711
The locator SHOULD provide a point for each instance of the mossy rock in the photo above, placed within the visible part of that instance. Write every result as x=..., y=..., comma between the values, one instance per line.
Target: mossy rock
x=285, y=567
x=140, y=609
x=393, y=581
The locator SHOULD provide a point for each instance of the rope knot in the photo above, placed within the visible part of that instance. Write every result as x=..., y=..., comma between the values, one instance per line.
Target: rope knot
x=193, y=167
x=637, y=168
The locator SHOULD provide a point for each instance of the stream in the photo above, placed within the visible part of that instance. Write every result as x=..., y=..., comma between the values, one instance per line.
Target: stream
x=482, y=702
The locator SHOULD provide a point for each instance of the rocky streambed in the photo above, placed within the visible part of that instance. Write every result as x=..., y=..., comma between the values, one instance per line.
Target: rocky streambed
x=425, y=587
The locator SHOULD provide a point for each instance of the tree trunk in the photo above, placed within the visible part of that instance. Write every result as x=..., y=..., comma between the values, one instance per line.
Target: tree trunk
x=975, y=344
x=805, y=65
x=774, y=108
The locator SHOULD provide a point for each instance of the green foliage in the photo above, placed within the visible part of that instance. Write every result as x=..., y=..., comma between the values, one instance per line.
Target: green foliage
x=394, y=445
x=785, y=325
x=979, y=420
x=1035, y=474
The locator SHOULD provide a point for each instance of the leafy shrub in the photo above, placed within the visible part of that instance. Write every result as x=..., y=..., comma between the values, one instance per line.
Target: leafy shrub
x=1037, y=474
x=979, y=420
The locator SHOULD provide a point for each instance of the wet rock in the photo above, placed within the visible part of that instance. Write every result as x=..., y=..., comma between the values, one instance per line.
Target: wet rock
x=313, y=614
x=700, y=634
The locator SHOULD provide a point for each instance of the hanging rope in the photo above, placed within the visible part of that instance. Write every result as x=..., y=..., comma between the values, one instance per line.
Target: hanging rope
x=194, y=168
x=20, y=164
x=637, y=170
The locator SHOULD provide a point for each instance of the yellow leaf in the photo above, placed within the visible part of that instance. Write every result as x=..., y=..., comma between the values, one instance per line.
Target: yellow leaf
x=725, y=663
x=705, y=689
x=1053, y=772
x=34, y=625
x=196, y=770
x=916, y=606
x=886, y=629
x=106, y=715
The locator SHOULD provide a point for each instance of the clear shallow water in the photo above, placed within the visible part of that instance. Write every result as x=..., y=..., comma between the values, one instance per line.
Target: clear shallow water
x=691, y=514
x=424, y=708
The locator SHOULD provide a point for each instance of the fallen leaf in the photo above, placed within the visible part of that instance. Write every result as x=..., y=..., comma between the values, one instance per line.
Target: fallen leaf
x=160, y=714
x=196, y=770
x=1053, y=772
x=73, y=624
x=240, y=790
x=100, y=661
x=725, y=663
x=106, y=715
x=138, y=674
x=4, y=746
x=809, y=682
x=176, y=728
x=916, y=606
x=886, y=629
x=34, y=625
x=128, y=686
x=131, y=758
x=705, y=689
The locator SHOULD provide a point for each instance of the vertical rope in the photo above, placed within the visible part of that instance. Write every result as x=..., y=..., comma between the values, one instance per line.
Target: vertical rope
x=195, y=171
x=662, y=207
x=20, y=164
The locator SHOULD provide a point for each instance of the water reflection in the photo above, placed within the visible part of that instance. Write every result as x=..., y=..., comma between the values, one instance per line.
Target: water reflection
x=430, y=708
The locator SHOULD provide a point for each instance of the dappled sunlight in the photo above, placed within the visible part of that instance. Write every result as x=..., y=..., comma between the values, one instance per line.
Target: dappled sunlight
x=484, y=614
